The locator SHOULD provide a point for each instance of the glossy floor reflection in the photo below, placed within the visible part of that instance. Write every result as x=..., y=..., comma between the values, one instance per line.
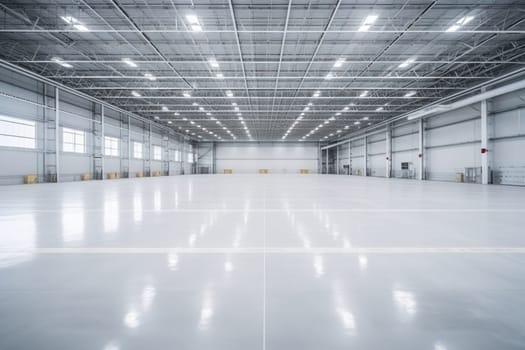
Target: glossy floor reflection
x=262, y=262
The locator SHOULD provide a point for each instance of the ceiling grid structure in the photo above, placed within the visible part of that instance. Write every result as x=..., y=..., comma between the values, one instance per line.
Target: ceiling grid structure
x=256, y=71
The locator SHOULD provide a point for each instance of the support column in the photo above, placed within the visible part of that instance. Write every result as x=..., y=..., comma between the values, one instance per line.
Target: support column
x=57, y=133
x=349, y=158
x=388, y=152
x=421, y=164
x=326, y=162
x=213, y=157
x=102, y=152
x=484, y=144
x=337, y=160
x=365, y=153
x=129, y=146
x=150, y=155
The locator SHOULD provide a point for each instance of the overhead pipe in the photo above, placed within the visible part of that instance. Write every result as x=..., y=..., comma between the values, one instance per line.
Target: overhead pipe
x=519, y=85
x=441, y=108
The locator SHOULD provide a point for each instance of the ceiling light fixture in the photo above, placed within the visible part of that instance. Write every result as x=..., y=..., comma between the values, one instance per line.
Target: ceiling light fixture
x=60, y=62
x=407, y=63
x=461, y=22
x=339, y=62
x=129, y=62
x=213, y=62
x=369, y=20
x=150, y=76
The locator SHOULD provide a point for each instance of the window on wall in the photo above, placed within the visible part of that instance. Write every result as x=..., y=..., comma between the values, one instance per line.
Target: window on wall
x=157, y=152
x=73, y=140
x=137, y=150
x=111, y=146
x=177, y=156
x=190, y=157
x=16, y=132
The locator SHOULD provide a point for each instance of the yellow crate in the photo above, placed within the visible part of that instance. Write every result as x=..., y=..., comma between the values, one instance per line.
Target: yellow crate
x=155, y=173
x=228, y=171
x=263, y=171
x=30, y=179
x=460, y=177
x=304, y=171
x=139, y=174
x=85, y=177
x=112, y=176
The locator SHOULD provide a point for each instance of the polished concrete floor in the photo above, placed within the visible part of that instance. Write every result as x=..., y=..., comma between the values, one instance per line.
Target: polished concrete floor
x=262, y=262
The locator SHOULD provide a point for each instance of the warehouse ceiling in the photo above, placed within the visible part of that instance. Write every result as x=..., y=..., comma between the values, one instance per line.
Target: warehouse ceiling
x=260, y=70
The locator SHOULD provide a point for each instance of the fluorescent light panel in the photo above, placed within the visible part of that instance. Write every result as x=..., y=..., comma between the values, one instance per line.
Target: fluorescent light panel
x=60, y=62
x=339, y=62
x=129, y=62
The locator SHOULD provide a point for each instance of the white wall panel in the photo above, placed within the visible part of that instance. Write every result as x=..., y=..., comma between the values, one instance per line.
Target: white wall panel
x=277, y=157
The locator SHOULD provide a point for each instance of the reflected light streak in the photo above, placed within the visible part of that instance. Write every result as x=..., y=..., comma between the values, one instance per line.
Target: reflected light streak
x=173, y=262
x=17, y=233
x=439, y=346
x=112, y=346
x=131, y=319
x=237, y=239
x=228, y=266
x=347, y=319
x=206, y=311
x=73, y=225
x=406, y=301
x=363, y=262
x=147, y=297
x=318, y=265
x=137, y=207
x=111, y=215
x=157, y=200
x=192, y=239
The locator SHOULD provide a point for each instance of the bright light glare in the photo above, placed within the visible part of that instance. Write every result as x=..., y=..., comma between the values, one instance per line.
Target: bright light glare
x=370, y=19
x=59, y=61
x=406, y=63
x=339, y=62
x=192, y=19
x=213, y=62
x=196, y=28
x=129, y=62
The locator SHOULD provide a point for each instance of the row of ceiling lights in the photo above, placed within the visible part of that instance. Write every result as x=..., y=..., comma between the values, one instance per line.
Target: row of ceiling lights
x=215, y=65
x=196, y=27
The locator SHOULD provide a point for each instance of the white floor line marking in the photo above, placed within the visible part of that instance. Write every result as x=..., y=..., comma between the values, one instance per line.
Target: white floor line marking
x=264, y=270
x=270, y=250
x=15, y=211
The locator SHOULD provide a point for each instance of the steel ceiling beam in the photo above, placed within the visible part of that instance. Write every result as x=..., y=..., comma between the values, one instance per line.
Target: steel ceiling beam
x=137, y=30
x=140, y=61
x=239, y=49
x=384, y=77
x=247, y=31
x=281, y=52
